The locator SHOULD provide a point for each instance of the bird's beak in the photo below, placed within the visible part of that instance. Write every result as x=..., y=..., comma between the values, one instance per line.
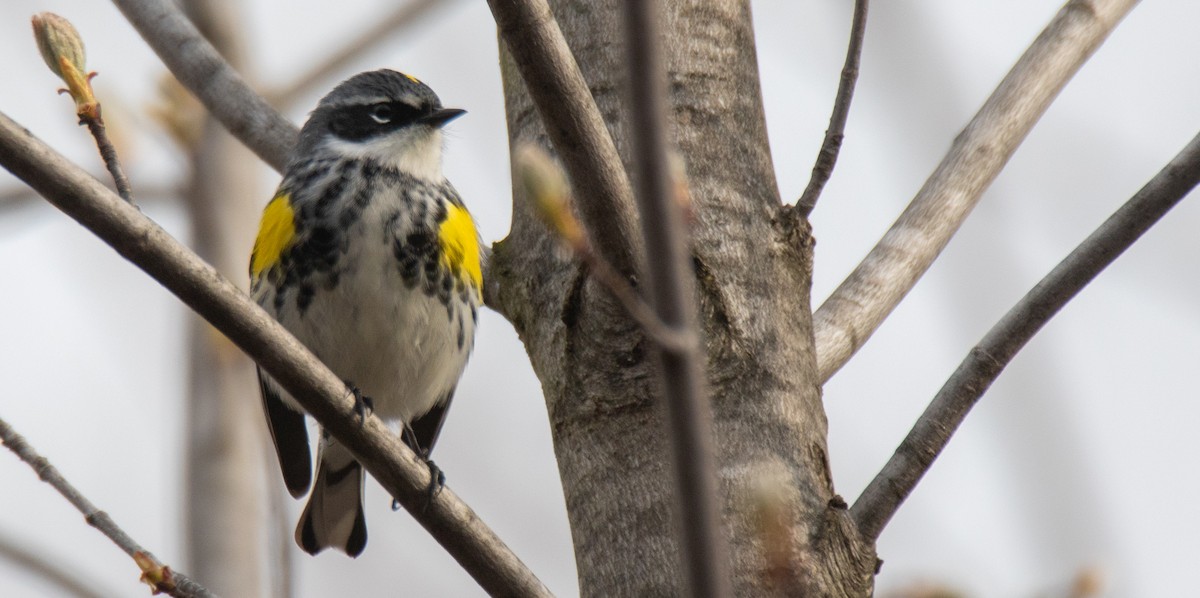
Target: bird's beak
x=439, y=118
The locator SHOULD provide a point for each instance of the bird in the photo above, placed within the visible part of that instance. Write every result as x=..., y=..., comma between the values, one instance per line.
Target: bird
x=368, y=256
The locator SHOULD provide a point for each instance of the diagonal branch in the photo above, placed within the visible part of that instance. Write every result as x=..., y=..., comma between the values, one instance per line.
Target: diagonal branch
x=194, y=61
x=946, y=412
x=827, y=155
x=331, y=64
x=451, y=522
x=574, y=125
x=158, y=576
x=856, y=309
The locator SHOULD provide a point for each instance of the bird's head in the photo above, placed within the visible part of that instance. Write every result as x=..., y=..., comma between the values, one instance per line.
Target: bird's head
x=381, y=115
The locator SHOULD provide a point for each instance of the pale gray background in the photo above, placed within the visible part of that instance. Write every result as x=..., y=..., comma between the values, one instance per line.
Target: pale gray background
x=1083, y=455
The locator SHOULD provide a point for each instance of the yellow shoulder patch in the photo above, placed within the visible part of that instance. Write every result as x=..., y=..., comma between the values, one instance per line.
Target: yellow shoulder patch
x=459, y=242
x=275, y=234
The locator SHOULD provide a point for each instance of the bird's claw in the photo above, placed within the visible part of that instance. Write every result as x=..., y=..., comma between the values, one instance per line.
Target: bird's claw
x=437, y=481
x=363, y=405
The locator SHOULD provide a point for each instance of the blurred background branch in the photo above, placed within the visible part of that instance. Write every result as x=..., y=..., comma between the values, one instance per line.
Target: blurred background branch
x=338, y=62
x=227, y=477
x=49, y=569
x=200, y=67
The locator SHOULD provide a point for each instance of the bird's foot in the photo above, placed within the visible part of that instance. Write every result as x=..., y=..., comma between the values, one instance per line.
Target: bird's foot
x=363, y=404
x=437, y=481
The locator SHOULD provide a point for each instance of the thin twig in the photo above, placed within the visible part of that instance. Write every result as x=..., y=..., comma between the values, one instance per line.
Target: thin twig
x=49, y=570
x=856, y=309
x=574, y=125
x=321, y=393
x=108, y=152
x=380, y=30
x=194, y=61
x=688, y=413
x=667, y=337
x=832, y=144
x=946, y=412
x=159, y=576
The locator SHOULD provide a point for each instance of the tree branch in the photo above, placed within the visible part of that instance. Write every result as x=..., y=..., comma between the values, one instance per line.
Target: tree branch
x=194, y=61
x=856, y=309
x=331, y=64
x=827, y=155
x=154, y=573
x=574, y=125
x=946, y=412
x=668, y=273
x=477, y=548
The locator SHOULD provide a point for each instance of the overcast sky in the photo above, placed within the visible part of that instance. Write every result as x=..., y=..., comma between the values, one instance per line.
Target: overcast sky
x=1082, y=456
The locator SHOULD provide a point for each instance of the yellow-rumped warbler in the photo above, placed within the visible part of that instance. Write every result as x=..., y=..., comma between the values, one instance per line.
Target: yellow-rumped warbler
x=368, y=256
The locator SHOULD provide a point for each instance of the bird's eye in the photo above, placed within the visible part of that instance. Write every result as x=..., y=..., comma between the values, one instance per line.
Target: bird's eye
x=382, y=113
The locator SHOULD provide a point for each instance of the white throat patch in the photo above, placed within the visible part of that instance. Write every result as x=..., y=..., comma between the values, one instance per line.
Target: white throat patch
x=416, y=151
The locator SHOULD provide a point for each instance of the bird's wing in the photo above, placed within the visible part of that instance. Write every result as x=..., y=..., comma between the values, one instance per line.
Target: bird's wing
x=425, y=429
x=290, y=435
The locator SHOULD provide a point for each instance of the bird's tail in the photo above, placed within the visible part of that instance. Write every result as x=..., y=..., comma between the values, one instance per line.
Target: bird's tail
x=334, y=515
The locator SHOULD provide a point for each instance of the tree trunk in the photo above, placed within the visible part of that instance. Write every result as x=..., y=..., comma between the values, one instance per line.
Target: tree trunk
x=226, y=505
x=753, y=259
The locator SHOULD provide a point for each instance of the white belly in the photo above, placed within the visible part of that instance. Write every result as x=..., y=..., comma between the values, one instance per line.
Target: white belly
x=400, y=347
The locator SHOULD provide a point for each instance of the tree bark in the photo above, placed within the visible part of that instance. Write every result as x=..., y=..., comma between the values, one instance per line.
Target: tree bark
x=752, y=262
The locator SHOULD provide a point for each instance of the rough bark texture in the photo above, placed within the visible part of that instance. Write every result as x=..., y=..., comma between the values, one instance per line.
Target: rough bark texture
x=752, y=263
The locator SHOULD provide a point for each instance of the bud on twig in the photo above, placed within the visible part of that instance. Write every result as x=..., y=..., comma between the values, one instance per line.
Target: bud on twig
x=62, y=49
x=545, y=184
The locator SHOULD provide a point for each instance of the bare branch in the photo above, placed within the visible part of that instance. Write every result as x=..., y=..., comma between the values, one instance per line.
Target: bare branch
x=405, y=476
x=574, y=125
x=946, y=412
x=48, y=570
x=194, y=61
x=827, y=156
x=668, y=276
x=856, y=309
x=160, y=577
x=380, y=30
